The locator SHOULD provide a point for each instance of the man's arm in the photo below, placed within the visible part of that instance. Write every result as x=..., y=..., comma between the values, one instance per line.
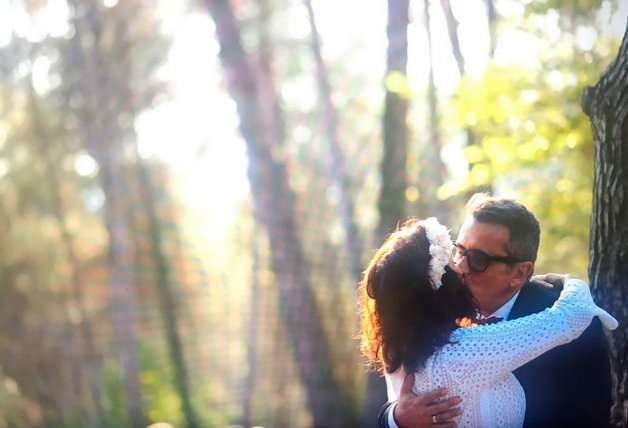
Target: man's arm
x=418, y=411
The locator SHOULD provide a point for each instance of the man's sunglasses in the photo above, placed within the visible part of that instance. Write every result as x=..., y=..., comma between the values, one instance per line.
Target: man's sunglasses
x=478, y=260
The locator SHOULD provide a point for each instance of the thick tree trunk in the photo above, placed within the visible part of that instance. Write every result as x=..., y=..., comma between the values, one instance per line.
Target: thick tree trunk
x=607, y=106
x=274, y=207
x=392, y=199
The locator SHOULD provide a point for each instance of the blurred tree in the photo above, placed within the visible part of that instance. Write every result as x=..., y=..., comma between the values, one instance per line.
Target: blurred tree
x=337, y=164
x=98, y=79
x=252, y=334
x=433, y=173
x=492, y=16
x=98, y=114
x=607, y=106
x=168, y=302
x=391, y=204
x=41, y=307
x=88, y=363
x=394, y=181
x=452, y=30
x=274, y=207
x=112, y=140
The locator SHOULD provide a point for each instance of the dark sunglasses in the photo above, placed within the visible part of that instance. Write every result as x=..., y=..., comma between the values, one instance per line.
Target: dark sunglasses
x=478, y=260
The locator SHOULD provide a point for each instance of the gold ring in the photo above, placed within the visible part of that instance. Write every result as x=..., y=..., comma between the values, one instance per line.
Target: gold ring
x=434, y=419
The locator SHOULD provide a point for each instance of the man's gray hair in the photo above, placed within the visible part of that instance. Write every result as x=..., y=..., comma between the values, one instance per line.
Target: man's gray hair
x=524, y=228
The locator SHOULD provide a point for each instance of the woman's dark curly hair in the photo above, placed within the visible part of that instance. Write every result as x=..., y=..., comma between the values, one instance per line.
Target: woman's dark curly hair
x=403, y=319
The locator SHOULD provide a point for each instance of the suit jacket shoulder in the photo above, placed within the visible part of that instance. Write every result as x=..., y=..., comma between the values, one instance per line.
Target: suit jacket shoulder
x=532, y=299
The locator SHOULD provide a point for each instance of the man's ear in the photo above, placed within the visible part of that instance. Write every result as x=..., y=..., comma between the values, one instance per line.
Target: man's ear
x=521, y=274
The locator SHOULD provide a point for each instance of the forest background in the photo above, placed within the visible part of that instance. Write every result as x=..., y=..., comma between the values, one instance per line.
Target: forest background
x=189, y=190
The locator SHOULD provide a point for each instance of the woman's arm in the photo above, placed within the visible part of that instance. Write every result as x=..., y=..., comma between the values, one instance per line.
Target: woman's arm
x=480, y=355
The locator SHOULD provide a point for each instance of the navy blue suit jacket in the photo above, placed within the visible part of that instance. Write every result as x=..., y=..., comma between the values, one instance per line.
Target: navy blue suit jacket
x=568, y=386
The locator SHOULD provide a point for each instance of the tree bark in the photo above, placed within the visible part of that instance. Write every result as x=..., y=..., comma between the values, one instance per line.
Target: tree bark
x=606, y=104
x=274, y=208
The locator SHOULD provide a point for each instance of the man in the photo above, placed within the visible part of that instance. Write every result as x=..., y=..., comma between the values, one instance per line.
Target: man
x=569, y=386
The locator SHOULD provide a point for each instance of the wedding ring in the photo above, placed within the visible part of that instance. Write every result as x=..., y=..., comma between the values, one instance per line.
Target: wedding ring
x=434, y=419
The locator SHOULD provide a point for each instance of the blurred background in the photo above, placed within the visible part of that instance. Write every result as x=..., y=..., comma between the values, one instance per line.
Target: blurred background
x=189, y=190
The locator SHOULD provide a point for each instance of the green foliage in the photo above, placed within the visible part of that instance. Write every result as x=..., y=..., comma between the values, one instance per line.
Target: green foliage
x=534, y=142
x=162, y=402
x=114, y=401
x=568, y=8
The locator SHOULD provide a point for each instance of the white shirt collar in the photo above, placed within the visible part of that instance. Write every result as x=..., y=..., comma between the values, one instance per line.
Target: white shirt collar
x=504, y=310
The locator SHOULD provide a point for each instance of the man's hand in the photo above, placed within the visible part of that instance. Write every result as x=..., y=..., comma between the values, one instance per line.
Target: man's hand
x=553, y=281
x=418, y=411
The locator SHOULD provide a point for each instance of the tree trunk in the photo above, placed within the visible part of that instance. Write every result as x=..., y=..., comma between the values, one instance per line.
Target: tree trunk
x=452, y=30
x=166, y=298
x=433, y=173
x=491, y=14
x=89, y=360
x=163, y=275
x=98, y=124
x=252, y=335
x=606, y=104
x=392, y=197
x=274, y=208
x=337, y=167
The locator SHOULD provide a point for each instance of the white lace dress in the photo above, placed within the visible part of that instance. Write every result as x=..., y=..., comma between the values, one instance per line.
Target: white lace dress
x=478, y=364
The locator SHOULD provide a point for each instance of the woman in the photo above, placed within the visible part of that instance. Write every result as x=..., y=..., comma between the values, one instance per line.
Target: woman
x=413, y=307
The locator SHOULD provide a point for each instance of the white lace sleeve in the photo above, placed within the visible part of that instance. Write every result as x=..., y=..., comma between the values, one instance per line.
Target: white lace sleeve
x=479, y=355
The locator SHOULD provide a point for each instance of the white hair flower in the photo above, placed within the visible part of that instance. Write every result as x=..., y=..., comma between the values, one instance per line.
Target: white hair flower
x=440, y=250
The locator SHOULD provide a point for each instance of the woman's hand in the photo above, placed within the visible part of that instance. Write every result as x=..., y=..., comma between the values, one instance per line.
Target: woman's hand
x=553, y=281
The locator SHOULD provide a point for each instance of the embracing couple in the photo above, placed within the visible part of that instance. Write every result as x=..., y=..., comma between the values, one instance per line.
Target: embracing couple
x=465, y=338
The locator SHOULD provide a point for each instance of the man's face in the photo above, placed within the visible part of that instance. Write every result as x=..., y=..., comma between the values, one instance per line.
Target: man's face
x=499, y=282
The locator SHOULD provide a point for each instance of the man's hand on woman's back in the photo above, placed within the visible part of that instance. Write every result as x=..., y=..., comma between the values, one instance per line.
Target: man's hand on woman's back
x=426, y=410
